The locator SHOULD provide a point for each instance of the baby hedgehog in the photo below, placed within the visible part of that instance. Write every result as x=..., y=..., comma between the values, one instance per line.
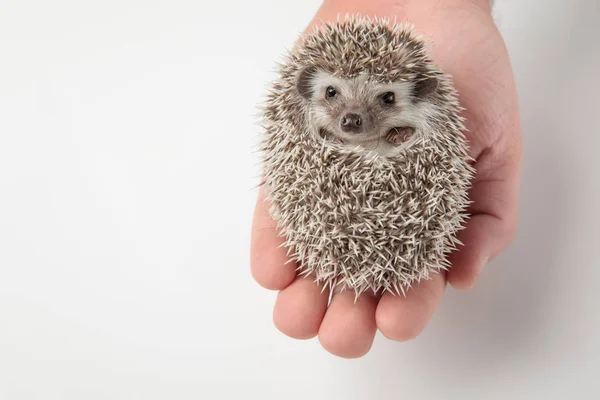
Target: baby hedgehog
x=364, y=160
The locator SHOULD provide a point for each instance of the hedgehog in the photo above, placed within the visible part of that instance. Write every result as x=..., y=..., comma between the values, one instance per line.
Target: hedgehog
x=364, y=159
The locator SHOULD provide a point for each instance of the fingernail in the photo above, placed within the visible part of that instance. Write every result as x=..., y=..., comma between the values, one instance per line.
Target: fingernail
x=478, y=270
x=482, y=265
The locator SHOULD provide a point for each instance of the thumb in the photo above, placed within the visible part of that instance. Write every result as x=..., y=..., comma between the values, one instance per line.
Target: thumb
x=492, y=225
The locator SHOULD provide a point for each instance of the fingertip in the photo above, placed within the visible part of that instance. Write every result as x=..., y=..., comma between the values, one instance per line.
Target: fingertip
x=394, y=326
x=485, y=237
x=403, y=318
x=269, y=271
x=299, y=309
x=465, y=279
x=269, y=263
x=349, y=328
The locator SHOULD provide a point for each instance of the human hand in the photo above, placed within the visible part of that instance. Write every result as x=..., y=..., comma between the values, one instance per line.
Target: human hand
x=467, y=45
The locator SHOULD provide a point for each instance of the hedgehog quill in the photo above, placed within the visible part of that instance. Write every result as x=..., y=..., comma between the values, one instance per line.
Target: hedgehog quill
x=365, y=163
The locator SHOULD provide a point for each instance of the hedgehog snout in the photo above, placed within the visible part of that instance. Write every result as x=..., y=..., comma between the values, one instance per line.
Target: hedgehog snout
x=352, y=123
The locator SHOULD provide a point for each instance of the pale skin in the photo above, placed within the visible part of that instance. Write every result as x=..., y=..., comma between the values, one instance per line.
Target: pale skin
x=467, y=45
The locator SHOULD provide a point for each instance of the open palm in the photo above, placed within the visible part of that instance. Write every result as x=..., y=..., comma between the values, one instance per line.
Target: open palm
x=467, y=45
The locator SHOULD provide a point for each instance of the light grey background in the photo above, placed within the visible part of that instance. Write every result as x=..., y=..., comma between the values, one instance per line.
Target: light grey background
x=126, y=192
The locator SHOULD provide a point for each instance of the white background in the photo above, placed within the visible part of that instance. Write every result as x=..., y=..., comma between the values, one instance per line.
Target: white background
x=126, y=192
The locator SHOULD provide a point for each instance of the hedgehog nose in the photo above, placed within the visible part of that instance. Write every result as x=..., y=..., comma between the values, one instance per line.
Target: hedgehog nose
x=351, y=122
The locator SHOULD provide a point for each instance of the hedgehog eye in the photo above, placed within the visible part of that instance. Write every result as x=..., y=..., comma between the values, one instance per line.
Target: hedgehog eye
x=331, y=92
x=388, y=98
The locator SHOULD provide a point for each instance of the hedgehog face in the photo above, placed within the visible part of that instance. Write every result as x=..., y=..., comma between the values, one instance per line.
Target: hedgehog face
x=361, y=111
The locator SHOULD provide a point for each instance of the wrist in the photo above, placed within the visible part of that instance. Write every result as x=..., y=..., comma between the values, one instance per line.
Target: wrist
x=388, y=7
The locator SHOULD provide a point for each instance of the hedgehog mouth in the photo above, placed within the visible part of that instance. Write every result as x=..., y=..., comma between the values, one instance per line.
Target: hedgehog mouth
x=395, y=136
x=329, y=136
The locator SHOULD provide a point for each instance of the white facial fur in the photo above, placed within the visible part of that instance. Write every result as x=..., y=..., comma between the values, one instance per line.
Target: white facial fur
x=362, y=95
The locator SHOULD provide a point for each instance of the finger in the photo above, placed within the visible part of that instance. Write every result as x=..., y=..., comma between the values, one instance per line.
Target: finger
x=403, y=318
x=348, y=328
x=267, y=257
x=492, y=225
x=299, y=309
x=484, y=238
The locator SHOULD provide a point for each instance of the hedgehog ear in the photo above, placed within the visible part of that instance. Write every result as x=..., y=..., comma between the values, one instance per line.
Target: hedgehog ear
x=303, y=84
x=424, y=88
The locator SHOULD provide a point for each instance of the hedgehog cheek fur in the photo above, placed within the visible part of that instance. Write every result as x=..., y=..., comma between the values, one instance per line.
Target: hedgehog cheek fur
x=363, y=219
